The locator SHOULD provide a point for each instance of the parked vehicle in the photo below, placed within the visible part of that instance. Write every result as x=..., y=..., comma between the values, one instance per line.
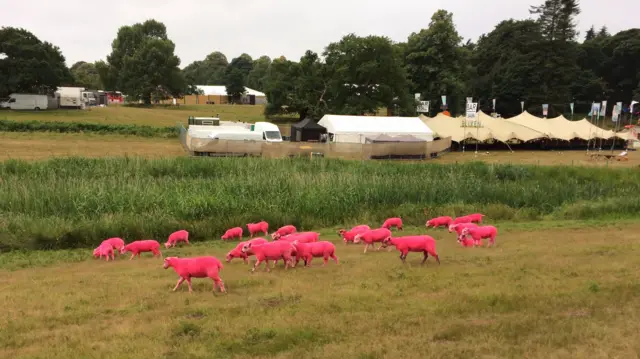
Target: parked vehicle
x=27, y=102
x=71, y=97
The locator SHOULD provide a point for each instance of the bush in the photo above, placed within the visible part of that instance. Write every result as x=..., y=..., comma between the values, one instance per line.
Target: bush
x=77, y=202
x=77, y=127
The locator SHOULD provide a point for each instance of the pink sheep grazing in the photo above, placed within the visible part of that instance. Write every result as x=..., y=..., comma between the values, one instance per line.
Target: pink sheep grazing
x=138, y=247
x=116, y=243
x=104, y=249
x=439, y=222
x=424, y=244
x=196, y=267
x=393, y=222
x=302, y=237
x=255, y=228
x=237, y=251
x=371, y=237
x=283, y=231
x=459, y=227
x=475, y=217
x=307, y=251
x=232, y=233
x=480, y=233
x=175, y=237
x=463, y=219
x=349, y=236
x=270, y=251
x=466, y=242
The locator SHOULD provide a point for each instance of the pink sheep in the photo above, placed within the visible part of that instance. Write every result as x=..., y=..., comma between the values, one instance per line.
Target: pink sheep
x=104, y=249
x=372, y=236
x=349, y=236
x=307, y=251
x=463, y=219
x=255, y=228
x=480, y=233
x=283, y=231
x=393, y=222
x=175, y=237
x=459, y=227
x=270, y=251
x=138, y=247
x=424, y=244
x=439, y=222
x=196, y=267
x=466, y=242
x=237, y=251
x=232, y=233
x=303, y=237
x=116, y=243
x=476, y=217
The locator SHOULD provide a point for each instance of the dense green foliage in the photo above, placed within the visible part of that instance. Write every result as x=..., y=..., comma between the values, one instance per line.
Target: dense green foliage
x=85, y=74
x=71, y=127
x=66, y=203
x=29, y=65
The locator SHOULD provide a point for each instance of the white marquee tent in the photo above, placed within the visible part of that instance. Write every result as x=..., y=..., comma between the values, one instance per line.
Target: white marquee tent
x=355, y=129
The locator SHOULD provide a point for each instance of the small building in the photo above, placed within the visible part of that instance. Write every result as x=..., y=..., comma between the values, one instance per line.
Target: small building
x=307, y=130
x=217, y=95
x=356, y=129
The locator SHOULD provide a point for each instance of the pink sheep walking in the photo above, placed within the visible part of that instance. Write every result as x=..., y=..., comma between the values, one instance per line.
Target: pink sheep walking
x=302, y=237
x=480, y=233
x=393, y=222
x=138, y=247
x=459, y=227
x=237, y=251
x=255, y=228
x=307, y=251
x=232, y=233
x=196, y=267
x=349, y=236
x=283, y=231
x=371, y=237
x=104, y=249
x=439, y=222
x=270, y=251
x=462, y=219
x=476, y=217
x=175, y=237
x=116, y=243
x=424, y=244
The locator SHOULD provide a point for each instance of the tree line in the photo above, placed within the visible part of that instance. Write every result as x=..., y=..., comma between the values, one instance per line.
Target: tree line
x=543, y=60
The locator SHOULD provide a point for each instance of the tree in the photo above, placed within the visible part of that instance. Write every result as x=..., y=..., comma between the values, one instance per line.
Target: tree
x=255, y=79
x=236, y=75
x=364, y=74
x=279, y=86
x=143, y=64
x=209, y=71
x=591, y=34
x=30, y=65
x=557, y=19
x=435, y=61
x=86, y=75
x=603, y=33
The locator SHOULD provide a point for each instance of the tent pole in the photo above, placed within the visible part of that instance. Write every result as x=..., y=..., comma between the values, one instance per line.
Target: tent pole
x=509, y=147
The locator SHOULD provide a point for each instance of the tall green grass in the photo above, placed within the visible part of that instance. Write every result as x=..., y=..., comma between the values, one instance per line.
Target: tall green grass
x=76, y=202
x=76, y=127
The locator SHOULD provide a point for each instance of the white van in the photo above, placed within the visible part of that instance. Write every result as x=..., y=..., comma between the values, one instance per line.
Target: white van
x=27, y=102
x=269, y=131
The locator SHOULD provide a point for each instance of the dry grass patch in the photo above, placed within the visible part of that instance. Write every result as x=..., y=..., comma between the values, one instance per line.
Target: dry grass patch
x=553, y=293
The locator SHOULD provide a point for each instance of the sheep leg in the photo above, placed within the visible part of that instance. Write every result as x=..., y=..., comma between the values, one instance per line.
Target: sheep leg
x=266, y=264
x=258, y=261
x=426, y=255
x=217, y=281
x=326, y=260
x=189, y=283
x=333, y=255
x=133, y=255
x=178, y=284
x=366, y=245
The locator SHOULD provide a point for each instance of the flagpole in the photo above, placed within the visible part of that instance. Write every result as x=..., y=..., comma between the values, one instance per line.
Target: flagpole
x=589, y=138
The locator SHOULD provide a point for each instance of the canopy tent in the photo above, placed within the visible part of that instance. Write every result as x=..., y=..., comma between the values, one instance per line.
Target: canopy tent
x=483, y=128
x=393, y=139
x=589, y=131
x=306, y=130
x=355, y=129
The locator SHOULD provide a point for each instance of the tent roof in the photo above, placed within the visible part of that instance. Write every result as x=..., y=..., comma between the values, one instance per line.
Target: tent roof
x=222, y=91
x=373, y=125
x=387, y=138
x=308, y=124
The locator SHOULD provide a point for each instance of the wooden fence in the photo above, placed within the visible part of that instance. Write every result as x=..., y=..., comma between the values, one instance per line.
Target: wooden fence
x=355, y=151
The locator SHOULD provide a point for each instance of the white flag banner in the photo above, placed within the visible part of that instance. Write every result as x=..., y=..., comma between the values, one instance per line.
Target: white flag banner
x=595, y=109
x=603, y=109
x=423, y=107
x=469, y=99
x=545, y=110
x=631, y=107
x=571, y=106
x=444, y=100
x=494, y=104
x=417, y=96
x=522, y=105
x=472, y=109
x=617, y=110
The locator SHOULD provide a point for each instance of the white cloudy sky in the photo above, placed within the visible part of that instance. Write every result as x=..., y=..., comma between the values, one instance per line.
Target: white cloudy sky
x=84, y=30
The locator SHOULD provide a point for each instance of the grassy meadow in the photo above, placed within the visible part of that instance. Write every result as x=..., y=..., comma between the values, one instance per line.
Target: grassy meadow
x=77, y=202
x=562, y=292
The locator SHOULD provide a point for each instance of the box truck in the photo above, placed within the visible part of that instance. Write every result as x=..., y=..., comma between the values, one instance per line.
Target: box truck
x=71, y=97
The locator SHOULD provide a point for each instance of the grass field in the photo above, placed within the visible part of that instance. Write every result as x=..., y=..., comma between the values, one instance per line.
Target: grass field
x=563, y=292
x=77, y=202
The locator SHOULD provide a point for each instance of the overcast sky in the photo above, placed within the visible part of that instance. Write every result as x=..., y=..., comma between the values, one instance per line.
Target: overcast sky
x=84, y=30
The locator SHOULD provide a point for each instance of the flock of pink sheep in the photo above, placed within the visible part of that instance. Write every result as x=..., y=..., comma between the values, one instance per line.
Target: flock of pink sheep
x=291, y=246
